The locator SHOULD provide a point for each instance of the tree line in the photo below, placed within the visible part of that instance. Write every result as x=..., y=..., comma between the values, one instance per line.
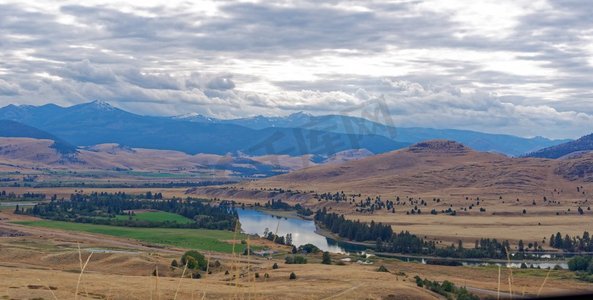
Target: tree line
x=101, y=208
x=280, y=205
x=572, y=244
x=405, y=242
x=28, y=196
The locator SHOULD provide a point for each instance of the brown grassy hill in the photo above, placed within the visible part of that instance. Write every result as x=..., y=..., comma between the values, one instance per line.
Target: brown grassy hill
x=27, y=153
x=440, y=167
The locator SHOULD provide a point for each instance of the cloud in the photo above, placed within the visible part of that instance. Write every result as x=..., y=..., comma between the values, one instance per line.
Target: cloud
x=497, y=66
x=8, y=89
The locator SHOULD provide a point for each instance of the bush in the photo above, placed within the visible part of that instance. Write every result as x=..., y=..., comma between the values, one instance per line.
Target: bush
x=382, y=269
x=419, y=281
x=447, y=286
x=326, y=259
x=275, y=266
x=296, y=259
x=194, y=260
x=309, y=248
x=292, y=276
x=191, y=263
x=174, y=263
x=579, y=263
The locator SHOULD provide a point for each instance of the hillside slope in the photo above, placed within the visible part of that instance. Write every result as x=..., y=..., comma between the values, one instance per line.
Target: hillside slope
x=12, y=129
x=584, y=143
x=439, y=167
x=27, y=153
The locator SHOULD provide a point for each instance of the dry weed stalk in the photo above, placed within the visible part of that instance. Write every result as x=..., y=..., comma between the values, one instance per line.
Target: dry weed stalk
x=180, y=279
x=81, y=270
x=544, y=283
x=498, y=289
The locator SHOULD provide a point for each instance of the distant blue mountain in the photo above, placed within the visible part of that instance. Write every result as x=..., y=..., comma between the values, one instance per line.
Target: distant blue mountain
x=297, y=134
x=583, y=144
x=98, y=122
x=501, y=143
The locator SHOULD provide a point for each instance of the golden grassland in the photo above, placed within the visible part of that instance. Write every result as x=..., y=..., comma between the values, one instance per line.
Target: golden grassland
x=503, y=221
x=46, y=263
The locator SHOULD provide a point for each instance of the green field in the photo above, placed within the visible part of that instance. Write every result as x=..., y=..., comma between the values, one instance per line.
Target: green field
x=200, y=239
x=155, y=174
x=157, y=216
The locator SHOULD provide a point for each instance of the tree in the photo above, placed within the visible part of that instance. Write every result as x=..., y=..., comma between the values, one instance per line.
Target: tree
x=275, y=266
x=326, y=259
x=292, y=276
x=174, y=263
x=558, y=243
x=447, y=286
x=194, y=260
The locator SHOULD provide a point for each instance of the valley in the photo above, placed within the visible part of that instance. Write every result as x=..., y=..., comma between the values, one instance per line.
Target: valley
x=399, y=223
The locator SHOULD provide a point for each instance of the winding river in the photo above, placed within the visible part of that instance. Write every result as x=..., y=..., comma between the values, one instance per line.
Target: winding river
x=303, y=231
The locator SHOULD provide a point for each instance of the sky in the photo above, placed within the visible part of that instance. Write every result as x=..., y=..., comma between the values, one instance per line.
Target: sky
x=516, y=67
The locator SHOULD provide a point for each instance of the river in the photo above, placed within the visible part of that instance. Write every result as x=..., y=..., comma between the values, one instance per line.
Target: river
x=305, y=232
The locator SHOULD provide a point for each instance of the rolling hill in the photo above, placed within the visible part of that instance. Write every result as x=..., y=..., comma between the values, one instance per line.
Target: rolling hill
x=26, y=153
x=12, y=129
x=443, y=167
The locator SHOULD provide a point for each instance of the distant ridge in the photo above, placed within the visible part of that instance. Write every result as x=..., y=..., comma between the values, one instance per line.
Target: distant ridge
x=487, y=142
x=98, y=122
x=583, y=144
x=298, y=134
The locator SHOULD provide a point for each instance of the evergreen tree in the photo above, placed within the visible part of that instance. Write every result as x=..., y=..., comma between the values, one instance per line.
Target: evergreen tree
x=326, y=259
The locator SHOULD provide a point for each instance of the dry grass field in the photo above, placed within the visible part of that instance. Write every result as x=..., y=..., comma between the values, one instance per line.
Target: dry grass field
x=45, y=264
x=494, y=196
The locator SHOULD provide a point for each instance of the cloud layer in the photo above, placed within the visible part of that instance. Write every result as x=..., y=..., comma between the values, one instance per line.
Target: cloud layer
x=519, y=67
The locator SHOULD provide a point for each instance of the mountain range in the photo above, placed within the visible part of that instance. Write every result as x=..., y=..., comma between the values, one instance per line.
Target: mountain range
x=583, y=144
x=298, y=134
x=501, y=143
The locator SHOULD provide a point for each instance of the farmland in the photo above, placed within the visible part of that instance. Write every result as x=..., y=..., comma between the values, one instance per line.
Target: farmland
x=202, y=239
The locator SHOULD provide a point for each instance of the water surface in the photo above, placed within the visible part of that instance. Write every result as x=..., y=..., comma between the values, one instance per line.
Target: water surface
x=303, y=231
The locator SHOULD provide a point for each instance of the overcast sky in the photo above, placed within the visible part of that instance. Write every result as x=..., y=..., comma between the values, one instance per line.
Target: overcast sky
x=518, y=67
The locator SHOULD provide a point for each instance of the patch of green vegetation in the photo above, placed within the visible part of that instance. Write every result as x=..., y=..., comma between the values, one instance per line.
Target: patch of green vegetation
x=201, y=239
x=153, y=174
x=7, y=208
x=156, y=216
x=556, y=274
